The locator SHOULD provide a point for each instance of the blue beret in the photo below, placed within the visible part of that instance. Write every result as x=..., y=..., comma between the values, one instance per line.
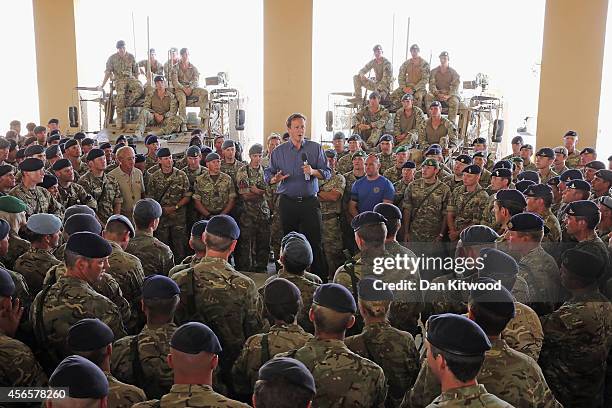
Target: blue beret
x=367, y=290
x=478, y=234
x=94, y=154
x=280, y=292
x=70, y=143
x=194, y=338
x=89, y=245
x=228, y=143
x=150, y=140
x=435, y=103
x=44, y=224
x=525, y=222
x=49, y=180
x=523, y=185
x=223, y=226
x=514, y=196
x=336, y=297
x=409, y=165
x=503, y=172
x=193, y=151
x=503, y=164
x=433, y=151
x=579, y=185
x=339, y=136
x=82, y=223
x=456, y=334
x=575, y=259
x=296, y=248
x=12, y=204
x=587, y=150
x=389, y=211
x=205, y=150
x=5, y=228
x=212, y=156
x=546, y=152
x=140, y=158
x=354, y=138
x=367, y=218
x=385, y=138
x=582, y=208
x=464, y=158
x=331, y=153
x=147, y=208
x=89, y=335
x=497, y=263
x=529, y=175
x=435, y=146
x=163, y=152
x=5, y=169
x=290, y=370
x=31, y=164
x=554, y=181
x=7, y=286
x=33, y=149
x=605, y=175
x=198, y=228
x=500, y=301
x=472, y=169
x=539, y=191
x=479, y=154
x=83, y=378
x=596, y=165
x=159, y=286
x=124, y=220
x=78, y=209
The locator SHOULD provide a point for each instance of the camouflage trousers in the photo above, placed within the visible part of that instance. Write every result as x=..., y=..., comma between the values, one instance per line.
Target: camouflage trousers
x=122, y=87
x=368, y=84
x=253, y=249
x=452, y=102
x=202, y=95
x=169, y=124
x=332, y=242
x=371, y=136
x=419, y=96
x=174, y=237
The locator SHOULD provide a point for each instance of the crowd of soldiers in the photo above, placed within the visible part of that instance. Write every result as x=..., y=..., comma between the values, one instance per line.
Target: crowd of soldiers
x=129, y=278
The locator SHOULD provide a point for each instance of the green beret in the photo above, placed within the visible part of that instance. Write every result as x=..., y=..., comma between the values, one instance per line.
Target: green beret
x=12, y=204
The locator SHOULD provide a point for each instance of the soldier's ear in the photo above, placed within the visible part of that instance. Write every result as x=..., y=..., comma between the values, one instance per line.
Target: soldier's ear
x=104, y=402
x=351, y=322
x=169, y=360
x=311, y=316
x=255, y=402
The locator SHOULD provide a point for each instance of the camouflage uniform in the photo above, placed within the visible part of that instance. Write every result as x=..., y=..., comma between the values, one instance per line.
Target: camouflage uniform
x=330, y=213
x=472, y=396
x=345, y=164
x=254, y=243
x=413, y=73
x=342, y=378
x=393, y=174
x=377, y=120
x=529, y=166
x=382, y=82
x=213, y=292
x=386, y=162
x=168, y=190
x=400, y=188
x=505, y=372
x=18, y=366
x=524, y=331
x=123, y=395
x=165, y=106
x=75, y=194
x=189, y=262
x=577, y=340
x=231, y=169
x=452, y=183
x=188, y=78
x=260, y=348
x=156, y=67
x=573, y=159
x=155, y=256
x=449, y=84
x=150, y=162
x=412, y=126
x=394, y=351
x=468, y=207
x=38, y=200
x=552, y=223
x=214, y=195
x=33, y=265
x=192, y=214
x=192, y=395
x=544, y=178
x=125, y=74
x=17, y=246
x=485, y=178
x=276, y=227
x=541, y=272
x=427, y=203
x=141, y=359
x=445, y=133
x=105, y=192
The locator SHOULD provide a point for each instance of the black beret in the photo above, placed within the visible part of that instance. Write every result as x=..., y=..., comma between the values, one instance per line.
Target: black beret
x=609, y=158
x=607, y=201
x=529, y=175
x=31, y=164
x=354, y=138
x=31, y=150
x=296, y=248
x=464, y=158
x=367, y=290
x=78, y=209
x=414, y=47
x=596, y=165
x=205, y=150
x=587, y=150
x=89, y=335
x=574, y=260
x=479, y=154
x=526, y=146
x=82, y=223
x=367, y=218
x=223, y=226
x=456, y=334
x=336, y=297
x=377, y=47
x=331, y=153
x=517, y=139
x=570, y=133
x=257, y=148
x=605, y=175
x=5, y=169
x=280, y=292
x=140, y=158
x=194, y=338
x=514, y=196
x=546, y=152
x=117, y=147
x=151, y=139
x=158, y=78
x=539, y=191
x=159, y=286
x=409, y=165
x=48, y=181
x=61, y=164
x=385, y=138
x=472, y=169
x=198, y=228
x=193, y=151
x=523, y=185
x=358, y=153
x=339, y=136
x=516, y=159
x=288, y=369
x=500, y=301
x=571, y=174
x=5, y=228
x=53, y=138
x=503, y=164
x=478, y=234
x=479, y=140
x=94, y=154
x=389, y=211
x=89, y=245
x=579, y=185
x=7, y=286
x=87, y=141
x=435, y=104
x=433, y=151
x=374, y=95
x=163, y=152
x=147, y=208
x=496, y=263
x=52, y=151
x=582, y=208
x=212, y=156
x=124, y=220
x=506, y=173
x=83, y=378
x=105, y=145
x=121, y=138
x=120, y=44
x=70, y=143
x=554, y=181
x=443, y=54
x=526, y=222
x=228, y=143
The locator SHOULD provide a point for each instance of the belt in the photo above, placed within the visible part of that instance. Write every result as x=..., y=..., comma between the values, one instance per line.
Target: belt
x=326, y=217
x=299, y=199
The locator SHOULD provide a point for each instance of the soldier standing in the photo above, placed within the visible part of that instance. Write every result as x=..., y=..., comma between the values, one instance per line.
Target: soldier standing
x=284, y=383
x=478, y=159
x=195, y=244
x=185, y=79
x=570, y=140
x=370, y=122
x=526, y=153
x=229, y=163
x=559, y=165
x=214, y=191
x=170, y=65
x=413, y=78
x=159, y=109
x=444, y=84
x=37, y=199
x=156, y=67
x=409, y=122
x=386, y=157
x=515, y=143
x=408, y=172
x=383, y=70
x=193, y=170
x=345, y=164
x=467, y=203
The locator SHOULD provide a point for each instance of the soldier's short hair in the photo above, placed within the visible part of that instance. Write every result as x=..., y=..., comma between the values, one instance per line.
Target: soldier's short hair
x=329, y=321
x=464, y=368
x=293, y=117
x=157, y=307
x=95, y=356
x=535, y=236
x=374, y=235
x=281, y=393
x=512, y=206
x=285, y=312
x=30, y=126
x=183, y=51
x=491, y=323
x=40, y=129
x=294, y=267
x=197, y=244
x=217, y=243
x=375, y=308
x=116, y=227
x=71, y=258
x=15, y=123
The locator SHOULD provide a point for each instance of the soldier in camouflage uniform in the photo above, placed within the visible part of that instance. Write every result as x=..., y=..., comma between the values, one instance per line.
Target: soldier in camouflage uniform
x=500, y=180
x=383, y=70
x=605, y=225
x=412, y=79
x=124, y=70
x=12, y=210
x=282, y=304
x=155, y=256
x=444, y=84
x=467, y=203
x=395, y=173
x=480, y=145
x=171, y=64
x=338, y=143
x=400, y=186
x=196, y=244
x=539, y=199
x=37, y=199
x=543, y=161
x=159, y=109
x=229, y=163
x=345, y=164
x=214, y=191
x=526, y=153
x=573, y=154
x=104, y=190
x=438, y=130
x=70, y=193
x=169, y=186
x=152, y=144
x=370, y=122
x=478, y=159
x=515, y=143
x=578, y=335
x=74, y=154
x=601, y=184
x=386, y=157
x=185, y=79
x=213, y=291
x=409, y=122
x=393, y=350
x=193, y=170
x=276, y=228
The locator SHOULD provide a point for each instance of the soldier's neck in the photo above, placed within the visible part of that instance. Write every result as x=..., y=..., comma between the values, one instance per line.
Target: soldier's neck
x=328, y=336
x=41, y=245
x=230, y=160
x=97, y=173
x=63, y=184
x=449, y=382
x=369, y=320
x=203, y=377
x=359, y=173
x=211, y=253
x=470, y=189
x=431, y=180
x=585, y=235
x=28, y=184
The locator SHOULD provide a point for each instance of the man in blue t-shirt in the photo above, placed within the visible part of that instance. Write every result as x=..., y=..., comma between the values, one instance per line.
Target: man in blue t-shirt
x=371, y=189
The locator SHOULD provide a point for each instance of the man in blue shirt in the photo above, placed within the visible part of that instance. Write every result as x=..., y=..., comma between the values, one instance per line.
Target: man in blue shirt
x=297, y=165
x=371, y=189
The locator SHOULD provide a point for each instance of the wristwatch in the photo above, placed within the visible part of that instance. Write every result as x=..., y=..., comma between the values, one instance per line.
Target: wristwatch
x=176, y=207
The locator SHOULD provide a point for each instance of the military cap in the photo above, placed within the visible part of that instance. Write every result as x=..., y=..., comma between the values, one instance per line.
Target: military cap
x=70, y=143
x=339, y=136
x=78, y=209
x=354, y=138
x=89, y=335
x=54, y=121
x=506, y=173
x=52, y=151
x=140, y=158
x=607, y=201
x=290, y=370
x=359, y=153
x=84, y=379
x=587, y=150
x=402, y=149
x=5, y=169
x=295, y=247
x=5, y=228
x=561, y=149
x=517, y=159
x=117, y=147
x=366, y=289
x=198, y=228
x=571, y=174
x=105, y=145
x=554, y=181
x=205, y=150
x=605, y=175
x=48, y=181
x=414, y=47
x=389, y=211
x=574, y=260
x=444, y=54
x=159, y=78
x=435, y=146
x=212, y=156
x=431, y=162
x=579, y=185
x=433, y=151
x=335, y=297
x=497, y=263
x=87, y=141
x=377, y=47
x=159, y=286
x=523, y=184
x=44, y=224
x=526, y=146
x=94, y=154
x=12, y=204
x=526, y=222
x=517, y=140
x=218, y=136
x=582, y=208
x=539, y=191
x=194, y=338
x=53, y=138
x=479, y=140
x=500, y=301
x=409, y=165
x=514, y=196
x=193, y=151
x=124, y=220
x=478, y=234
x=228, y=143
x=472, y=169
x=223, y=226
x=479, y=154
x=571, y=133
x=434, y=104
x=609, y=158
x=529, y=175
x=120, y=44
x=456, y=334
x=407, y=97
x=147, y=208
x=61, y=164
x=121, y=139
x=331, y=153
x=81, y=223
x=386, y=138
x=367, y=218
x=464, y=158
x=546, y=152
x=257, y=148
x=7, y=286
x=596, y=165
x=163, y=152
x=31, y=150
x=31, y=164
x=89, y=245
x=173, y=49
x=374, y=95
x=151, y=139
x=280, y=292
